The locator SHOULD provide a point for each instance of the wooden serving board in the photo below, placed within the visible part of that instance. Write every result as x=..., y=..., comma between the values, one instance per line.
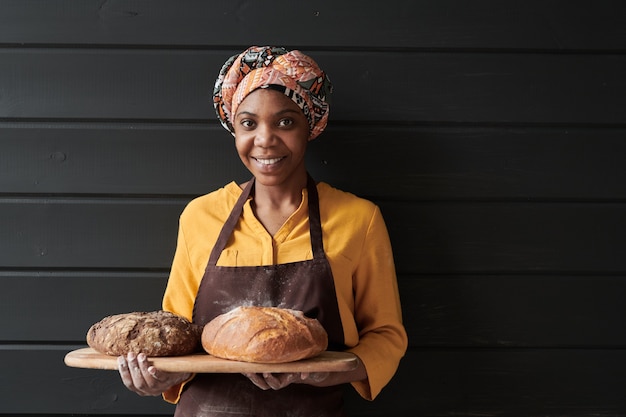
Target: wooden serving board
x=327, y=361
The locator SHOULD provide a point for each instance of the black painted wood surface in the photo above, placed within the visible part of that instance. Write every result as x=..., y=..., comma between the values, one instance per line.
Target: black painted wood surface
x=492, y=134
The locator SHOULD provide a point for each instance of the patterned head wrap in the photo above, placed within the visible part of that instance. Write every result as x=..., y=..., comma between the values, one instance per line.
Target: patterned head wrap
x=292, y=73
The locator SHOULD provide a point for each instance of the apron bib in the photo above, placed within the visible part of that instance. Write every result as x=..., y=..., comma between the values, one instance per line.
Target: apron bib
x=306, y=285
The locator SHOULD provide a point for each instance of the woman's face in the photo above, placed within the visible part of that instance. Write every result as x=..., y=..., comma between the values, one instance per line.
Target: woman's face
x=271, y=136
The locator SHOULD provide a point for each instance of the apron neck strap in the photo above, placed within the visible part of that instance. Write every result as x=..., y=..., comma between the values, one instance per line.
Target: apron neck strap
x=315, y=220
x=315, y=224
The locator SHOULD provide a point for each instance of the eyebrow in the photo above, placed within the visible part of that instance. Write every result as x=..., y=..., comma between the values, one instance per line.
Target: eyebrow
x=279, y=113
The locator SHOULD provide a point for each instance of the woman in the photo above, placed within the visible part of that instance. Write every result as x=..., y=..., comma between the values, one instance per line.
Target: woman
x=280, y=240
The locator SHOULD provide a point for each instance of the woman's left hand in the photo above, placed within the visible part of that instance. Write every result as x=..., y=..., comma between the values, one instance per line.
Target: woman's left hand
x=267, y=380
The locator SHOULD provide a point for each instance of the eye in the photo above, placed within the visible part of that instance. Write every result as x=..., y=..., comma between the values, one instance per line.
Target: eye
x=247, y=123
x=285, y=122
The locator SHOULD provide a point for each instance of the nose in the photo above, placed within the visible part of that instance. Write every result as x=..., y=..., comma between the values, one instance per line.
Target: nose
x=264, y=135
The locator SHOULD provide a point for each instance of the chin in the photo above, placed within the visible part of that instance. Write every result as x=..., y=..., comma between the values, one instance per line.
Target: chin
x=269, y=180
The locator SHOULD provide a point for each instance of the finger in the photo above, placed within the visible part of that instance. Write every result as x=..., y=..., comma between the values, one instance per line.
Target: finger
x=149, y=376
x=122, y=367
x=138, y=380
x=142, y=362
x=270, y=380
x=316, y=376
x=278, y=381
x=154, y=373
x=144, y=367
x=128, y=369
x=257, y=380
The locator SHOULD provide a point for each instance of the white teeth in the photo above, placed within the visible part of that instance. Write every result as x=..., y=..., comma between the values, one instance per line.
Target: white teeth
x=268, y=161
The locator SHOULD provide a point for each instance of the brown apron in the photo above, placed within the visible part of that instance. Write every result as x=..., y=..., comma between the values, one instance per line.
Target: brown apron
x=307, y=286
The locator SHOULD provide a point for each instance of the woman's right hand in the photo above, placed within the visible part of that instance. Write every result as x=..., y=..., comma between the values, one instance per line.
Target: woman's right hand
x=144, y=379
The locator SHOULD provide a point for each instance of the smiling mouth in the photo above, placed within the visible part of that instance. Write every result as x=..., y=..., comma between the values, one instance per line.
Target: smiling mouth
x=268, y=161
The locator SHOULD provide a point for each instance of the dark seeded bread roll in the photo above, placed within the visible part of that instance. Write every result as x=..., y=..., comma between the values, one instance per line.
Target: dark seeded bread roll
x=156, y=333
x=264, y=335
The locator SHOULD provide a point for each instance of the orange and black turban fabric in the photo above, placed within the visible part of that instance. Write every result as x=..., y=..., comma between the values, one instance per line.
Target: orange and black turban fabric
x=291, y=72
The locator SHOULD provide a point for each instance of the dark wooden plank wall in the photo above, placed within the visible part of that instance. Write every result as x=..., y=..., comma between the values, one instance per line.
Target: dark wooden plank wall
x=491, y=133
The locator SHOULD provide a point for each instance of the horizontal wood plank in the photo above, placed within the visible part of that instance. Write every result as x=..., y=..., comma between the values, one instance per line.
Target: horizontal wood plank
x=499, y=382
x=88, y=233
x=111, y=159
x=507, y=237
x=514, y=310
x=441, y=311
x=61, y=389
x=503, y=382
x=428, y=237
x=429, y=162
x=448, y=87
x=534, y=24
x=80, y=299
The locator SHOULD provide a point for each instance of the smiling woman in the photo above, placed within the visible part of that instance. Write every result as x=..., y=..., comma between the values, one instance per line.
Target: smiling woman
x=271, y=136
x=294, y=74
x=280, y=240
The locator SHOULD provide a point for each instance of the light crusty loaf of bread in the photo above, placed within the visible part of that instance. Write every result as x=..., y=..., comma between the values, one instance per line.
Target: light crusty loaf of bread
x=264, y=335
x=155, y=333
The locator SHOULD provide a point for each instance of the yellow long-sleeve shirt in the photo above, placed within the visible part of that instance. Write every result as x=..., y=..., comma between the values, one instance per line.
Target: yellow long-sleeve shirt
x=357, y=247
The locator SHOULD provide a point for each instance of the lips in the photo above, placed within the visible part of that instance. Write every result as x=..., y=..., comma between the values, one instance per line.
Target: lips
x=268, y=161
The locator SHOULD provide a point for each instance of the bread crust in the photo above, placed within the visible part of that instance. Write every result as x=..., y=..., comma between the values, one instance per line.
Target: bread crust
x=155, y=333
x=264, y=335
